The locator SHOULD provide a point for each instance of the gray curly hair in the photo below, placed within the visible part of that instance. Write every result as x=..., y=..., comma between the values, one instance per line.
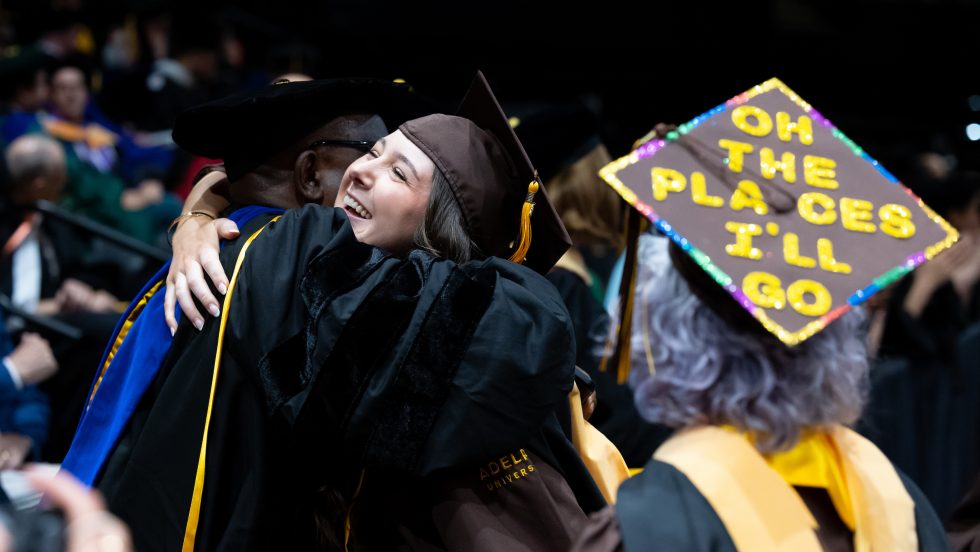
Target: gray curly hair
x=705, y=373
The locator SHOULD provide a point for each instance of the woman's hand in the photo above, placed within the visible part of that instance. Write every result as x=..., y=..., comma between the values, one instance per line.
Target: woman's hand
x=195, y=250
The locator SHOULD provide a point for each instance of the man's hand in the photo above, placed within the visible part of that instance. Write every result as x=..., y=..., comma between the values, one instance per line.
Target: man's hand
x=76, y=296
x=148, y=192
x=14, y=449
x=33, y=359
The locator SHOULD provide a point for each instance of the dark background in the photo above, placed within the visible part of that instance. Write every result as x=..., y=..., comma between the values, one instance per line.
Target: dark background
x=893, y=75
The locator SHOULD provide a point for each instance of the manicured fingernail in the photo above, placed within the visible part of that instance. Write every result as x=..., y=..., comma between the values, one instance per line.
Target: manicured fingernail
x=213, y=309
x=198, y=323
x=173, y=330
x=222, y=289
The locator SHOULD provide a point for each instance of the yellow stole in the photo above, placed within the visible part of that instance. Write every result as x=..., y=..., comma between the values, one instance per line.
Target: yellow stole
x=754, y=498
x=600, y=456
x=93, y=134
x=573, y=262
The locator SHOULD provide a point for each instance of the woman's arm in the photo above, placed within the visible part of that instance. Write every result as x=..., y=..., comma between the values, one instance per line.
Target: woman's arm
x=195, y=252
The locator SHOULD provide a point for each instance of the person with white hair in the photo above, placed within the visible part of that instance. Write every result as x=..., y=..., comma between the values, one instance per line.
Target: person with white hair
x=44, y=271
x=762, y=458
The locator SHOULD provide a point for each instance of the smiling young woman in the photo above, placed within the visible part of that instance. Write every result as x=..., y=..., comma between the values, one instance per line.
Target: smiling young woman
x=393, y=364
x=385, y=193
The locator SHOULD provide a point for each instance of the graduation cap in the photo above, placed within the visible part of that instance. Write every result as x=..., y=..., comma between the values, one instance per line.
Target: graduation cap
x=494, y=182
x=192, y=32
x=247, y=128
x=19, y=66
x=16, y=61
x=557, y=135
x=792, y=219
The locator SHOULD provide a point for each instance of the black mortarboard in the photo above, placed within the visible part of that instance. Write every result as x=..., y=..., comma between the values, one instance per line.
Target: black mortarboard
x=558, y=135
x=246, y=129
x=190, y=32
x=18, y=66
x=32, y=24
x=15, y=61
x=493, y=180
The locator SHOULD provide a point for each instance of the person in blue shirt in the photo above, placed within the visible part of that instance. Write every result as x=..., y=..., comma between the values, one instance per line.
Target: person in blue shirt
x=24, y=408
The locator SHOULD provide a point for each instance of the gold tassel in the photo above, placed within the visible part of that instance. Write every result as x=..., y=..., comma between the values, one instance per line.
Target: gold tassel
x=624, y=343
x=524, y=240
x=618, y=343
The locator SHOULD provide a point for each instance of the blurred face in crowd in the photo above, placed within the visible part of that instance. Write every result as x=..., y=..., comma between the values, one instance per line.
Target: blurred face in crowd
x=203, y=64
x=33, y=96
x=69, y=94
x=385, y=193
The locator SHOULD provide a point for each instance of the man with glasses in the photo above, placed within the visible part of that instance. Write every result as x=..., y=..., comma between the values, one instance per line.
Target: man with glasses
x=160, y=406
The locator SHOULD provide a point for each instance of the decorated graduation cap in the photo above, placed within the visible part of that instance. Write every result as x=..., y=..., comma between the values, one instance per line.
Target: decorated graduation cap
x=777, y=206
x=246, y=129
x=503, y=202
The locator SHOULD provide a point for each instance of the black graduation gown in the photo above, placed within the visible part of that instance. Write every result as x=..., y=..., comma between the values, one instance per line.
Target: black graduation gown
x=338, y=360
x=615, y=414
x=925, y=386
x=660, y=509
x=963, y=526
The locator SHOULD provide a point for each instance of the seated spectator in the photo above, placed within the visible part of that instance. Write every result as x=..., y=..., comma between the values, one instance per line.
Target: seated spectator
x=23, y=408
x=102, y=158
x=44, y=270
x=23, y=91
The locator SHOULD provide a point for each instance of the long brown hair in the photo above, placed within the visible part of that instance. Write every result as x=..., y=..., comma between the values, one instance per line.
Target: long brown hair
x=443, y=230
x=590, y=210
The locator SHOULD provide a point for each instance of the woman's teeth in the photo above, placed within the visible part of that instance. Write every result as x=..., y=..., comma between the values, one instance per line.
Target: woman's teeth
x=356, y=207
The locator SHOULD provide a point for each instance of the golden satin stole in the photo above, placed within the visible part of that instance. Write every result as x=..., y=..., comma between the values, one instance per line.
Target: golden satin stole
x=754, y=498
x=600, y=456
x=815, y=462
x=93, y=134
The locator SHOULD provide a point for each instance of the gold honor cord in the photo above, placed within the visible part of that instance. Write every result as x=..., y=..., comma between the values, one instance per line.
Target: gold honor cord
x=194, y=515
x=350, y=509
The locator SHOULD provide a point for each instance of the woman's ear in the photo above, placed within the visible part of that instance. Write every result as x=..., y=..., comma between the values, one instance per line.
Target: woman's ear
x=306, y=178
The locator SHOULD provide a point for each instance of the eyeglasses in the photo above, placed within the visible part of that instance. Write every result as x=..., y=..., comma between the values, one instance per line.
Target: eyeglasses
x=359, y=145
